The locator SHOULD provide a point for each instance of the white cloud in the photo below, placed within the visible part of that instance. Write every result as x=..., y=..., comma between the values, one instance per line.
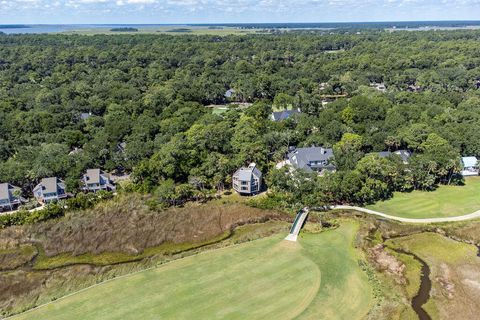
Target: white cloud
x=91, y=11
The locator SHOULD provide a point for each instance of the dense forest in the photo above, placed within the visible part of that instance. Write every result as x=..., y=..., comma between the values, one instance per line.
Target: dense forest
x=137, y=104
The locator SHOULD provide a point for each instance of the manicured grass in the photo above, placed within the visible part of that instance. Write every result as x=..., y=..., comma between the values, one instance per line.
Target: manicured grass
x=446, y=201
x=345, y=292
x=317, y=278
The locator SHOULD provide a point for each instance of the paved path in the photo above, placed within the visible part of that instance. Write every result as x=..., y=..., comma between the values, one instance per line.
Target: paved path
x=470, y=216
x=15, y=211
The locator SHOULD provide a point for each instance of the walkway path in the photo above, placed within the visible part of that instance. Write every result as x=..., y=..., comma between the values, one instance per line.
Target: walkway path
x=15, y=211
x=470, y=216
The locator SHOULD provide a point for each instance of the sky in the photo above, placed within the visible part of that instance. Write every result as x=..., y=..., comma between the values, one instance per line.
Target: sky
x=231, y=11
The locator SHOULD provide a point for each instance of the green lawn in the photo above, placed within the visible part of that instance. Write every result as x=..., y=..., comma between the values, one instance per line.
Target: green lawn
x=317, y=278
x=446, y=201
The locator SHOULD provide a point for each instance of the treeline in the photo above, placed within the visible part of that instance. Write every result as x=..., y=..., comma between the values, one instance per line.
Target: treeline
x=136, y=103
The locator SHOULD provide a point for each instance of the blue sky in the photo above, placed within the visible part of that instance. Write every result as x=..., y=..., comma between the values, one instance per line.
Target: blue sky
x=221, y=11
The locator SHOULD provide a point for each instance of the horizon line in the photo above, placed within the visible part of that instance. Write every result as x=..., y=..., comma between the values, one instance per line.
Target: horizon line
x=238, y=23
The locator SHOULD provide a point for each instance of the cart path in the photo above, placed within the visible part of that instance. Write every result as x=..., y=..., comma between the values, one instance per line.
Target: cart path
x=470, y=216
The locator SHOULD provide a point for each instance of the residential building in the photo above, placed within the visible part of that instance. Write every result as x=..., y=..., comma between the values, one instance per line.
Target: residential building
x=229, y=93
x=403, y=154
x=470, y=166
x=247, y=180
x=95, y=180
x=311, y=159
x=379, y=86
x=49, y=190
x=9, y=199
x=284, y=115
x=414, y=88
x=85, y=115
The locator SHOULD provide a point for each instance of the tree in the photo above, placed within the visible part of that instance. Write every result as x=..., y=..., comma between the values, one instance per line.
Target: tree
x=348, y=151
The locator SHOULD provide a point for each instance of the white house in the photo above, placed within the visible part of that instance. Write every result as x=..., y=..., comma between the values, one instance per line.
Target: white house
x=95, y=180
x=50, y=189
x=247, y=180
x=9, y=200
x=470, y=166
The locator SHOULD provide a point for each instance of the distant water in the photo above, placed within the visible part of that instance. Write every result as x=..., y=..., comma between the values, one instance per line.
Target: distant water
x=403, y=25
x=56, y=28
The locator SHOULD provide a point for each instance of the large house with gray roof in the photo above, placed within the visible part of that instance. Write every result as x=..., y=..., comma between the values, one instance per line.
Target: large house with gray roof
x=50, y=190
x=247, y=180
x=95, y=180
x=9, y=198
x=403, y=154
x=312, y=159
x=284, y=115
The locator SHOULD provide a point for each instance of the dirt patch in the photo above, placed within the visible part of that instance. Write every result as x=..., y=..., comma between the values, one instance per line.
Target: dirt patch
x=386, y=262
x=444, y=278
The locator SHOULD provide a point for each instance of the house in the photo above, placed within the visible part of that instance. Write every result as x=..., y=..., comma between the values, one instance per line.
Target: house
x=379, y=86
x=9, y=200
x=229, y=93
x=477, y=84
x=470, y=166
x=414, y=88
x=50, y=189
x=85, y=115
x=247, y=180
x=284, y=115
x=95, y=180
x=403, y=154
x=312, y=159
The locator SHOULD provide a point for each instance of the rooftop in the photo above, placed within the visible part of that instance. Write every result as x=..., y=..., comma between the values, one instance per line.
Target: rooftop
x=93, y=176
x=304, y=157
x=283, y=115
x=246, y=173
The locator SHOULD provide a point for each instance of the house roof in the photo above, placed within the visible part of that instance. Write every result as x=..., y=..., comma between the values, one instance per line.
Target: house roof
x=4, y=193
x=246, y=173
x=93, y=176
x=229, y=93
x=50, y=185
x=85, y=115
x=469, y=161
x=283, y=115
x=302, y=157
x=403, y=154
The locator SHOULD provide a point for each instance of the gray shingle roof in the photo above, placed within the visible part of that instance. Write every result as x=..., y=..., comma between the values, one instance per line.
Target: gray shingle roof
x=246, y=173
x=229, y=93
x=403, y=154
x=283, y=115
x=49, y=185
x=311, y=158
x=93, y=176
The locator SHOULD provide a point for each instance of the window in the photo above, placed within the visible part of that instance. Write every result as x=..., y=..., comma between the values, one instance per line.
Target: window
x=244, y=188
x=244, y=183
